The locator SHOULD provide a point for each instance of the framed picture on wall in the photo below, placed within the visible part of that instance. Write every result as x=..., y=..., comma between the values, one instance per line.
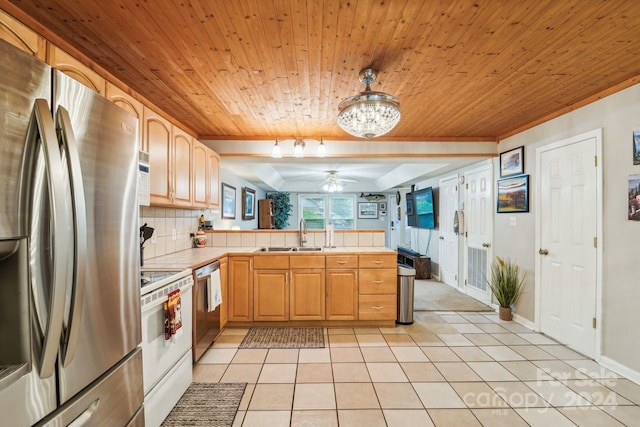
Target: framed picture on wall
x=382, y=206
x=228, y=201
x=634, y=197
x=636, y=147
x=248, y=203
x=512, y=162
x=367, y=210
x=513, y=194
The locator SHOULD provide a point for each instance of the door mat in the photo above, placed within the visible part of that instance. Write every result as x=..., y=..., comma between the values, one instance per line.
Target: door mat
x=207, y=404
x=283, y=338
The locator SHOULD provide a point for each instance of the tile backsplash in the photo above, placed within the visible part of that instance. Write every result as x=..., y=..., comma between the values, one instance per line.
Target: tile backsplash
x=165, y=221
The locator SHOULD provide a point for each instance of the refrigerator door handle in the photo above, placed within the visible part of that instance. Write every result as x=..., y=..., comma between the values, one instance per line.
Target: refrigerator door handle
x=68, y=141
x=51, y=150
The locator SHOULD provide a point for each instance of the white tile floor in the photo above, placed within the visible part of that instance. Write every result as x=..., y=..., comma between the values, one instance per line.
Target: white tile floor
x=447, y=369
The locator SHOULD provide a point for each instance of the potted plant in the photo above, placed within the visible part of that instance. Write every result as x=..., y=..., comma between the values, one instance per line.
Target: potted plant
x=281, y=209
x=506, y=284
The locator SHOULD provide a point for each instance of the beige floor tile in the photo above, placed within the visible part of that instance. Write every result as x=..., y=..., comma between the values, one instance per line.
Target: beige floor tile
x=203, y=373
x=218, y=355
x=467, y=328
x=421, y=372
x=438, y=395
x=501, y=352
x=271, y=397
x=356, y=396
x=314, y=396
x=277, y=373
x=625, y=388
x=427, y=340
x=393, y=330
x=453, y=318
x=386, y=373
x=416, y=328
x=475, y=318
x=482, y=339
x=361, y=417
x=314, y=355
x=340, y=331
x=591, y=417
x=514, y=327
x=560, y=370
x=440, y=328
x=343, y=341
x=492, y=328
x=314, y=373
x=266, y=419
x=409, y=354
x=246, y=397
x=371, y=340
x=407, y=417
x=228, y=341
x=378, y=354
x=454, y=340
x=544, y=417
x=235, y=331
x=478, y=395
x=346, y=354
x=532, y=352
x=627, y=415
x=596, y=393
x=518, y=395
x=282, y=355
x=239, y=419
x=314, y=419
x=510, y=339
x=526, y=371
x=241, y=373
x=456, y=371
x=472, y=354
x=491, y=371
x=367, y=330
x=499, y=417
x=440, y=354
x=562, y=352
x=397, y=396
x=250, y=356
x=557, y=393
x=350, y=373
x=453, y=417
x=399, y=340
x=537, y=339
x=592, y=369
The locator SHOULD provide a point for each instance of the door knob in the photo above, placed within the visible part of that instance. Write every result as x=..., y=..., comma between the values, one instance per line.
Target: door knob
x=486, y=245
x=543, y=252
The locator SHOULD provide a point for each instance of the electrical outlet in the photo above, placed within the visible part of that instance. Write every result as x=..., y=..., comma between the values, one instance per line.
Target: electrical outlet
x=174, y=235
x=513, y=221
x=153, y=239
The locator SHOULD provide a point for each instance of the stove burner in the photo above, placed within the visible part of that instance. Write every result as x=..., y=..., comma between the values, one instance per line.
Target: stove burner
x=148, y=277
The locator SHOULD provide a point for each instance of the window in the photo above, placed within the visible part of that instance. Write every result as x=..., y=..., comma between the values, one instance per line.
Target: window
x=318, y=210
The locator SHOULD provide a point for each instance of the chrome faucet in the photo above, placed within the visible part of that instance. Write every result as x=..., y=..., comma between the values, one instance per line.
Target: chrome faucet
x=302, y=232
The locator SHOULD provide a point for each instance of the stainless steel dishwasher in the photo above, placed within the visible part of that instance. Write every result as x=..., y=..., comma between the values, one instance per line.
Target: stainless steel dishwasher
x=206, y=322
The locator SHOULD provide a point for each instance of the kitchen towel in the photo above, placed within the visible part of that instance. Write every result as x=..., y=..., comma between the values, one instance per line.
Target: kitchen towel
x=214, y=291
x=173, y=316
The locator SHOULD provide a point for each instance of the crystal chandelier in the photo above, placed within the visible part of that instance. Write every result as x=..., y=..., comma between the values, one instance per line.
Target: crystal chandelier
x=369, y=114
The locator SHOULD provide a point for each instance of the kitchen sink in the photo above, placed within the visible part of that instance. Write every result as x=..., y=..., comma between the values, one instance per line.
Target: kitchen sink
x=306, y=249
x=274, y=249
x=290, y=249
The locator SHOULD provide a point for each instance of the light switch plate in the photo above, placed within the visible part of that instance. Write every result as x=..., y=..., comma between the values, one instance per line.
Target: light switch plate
x=513, y=221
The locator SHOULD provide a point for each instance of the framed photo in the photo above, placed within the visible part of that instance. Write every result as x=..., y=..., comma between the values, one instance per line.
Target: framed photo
x=634, y=197
x=248, y=203
x=382, y=206
x=636, y=147
x=367, y=210
x=228, y=201
x=512, y=162
x=513, y=194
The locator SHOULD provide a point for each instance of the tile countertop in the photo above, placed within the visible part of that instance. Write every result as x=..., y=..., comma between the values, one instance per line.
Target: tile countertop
x=196, y=257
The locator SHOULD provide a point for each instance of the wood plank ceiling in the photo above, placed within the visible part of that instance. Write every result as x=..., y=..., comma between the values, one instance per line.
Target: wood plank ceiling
x=256, y=68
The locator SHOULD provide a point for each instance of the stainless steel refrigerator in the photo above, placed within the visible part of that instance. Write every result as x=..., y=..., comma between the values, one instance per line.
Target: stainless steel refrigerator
x=69, y=259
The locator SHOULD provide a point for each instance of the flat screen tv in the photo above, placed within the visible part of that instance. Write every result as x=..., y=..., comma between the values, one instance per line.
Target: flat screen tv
x=424, y=209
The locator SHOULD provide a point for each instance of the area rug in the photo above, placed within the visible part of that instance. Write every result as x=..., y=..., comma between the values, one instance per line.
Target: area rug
x=207, y=404
x=283, y=338
x=431, y=295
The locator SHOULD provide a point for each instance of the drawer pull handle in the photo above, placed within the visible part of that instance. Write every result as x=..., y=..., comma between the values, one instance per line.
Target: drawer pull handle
x=378, y=307
x=378, y=282
x=341, y=262
x=377, y=262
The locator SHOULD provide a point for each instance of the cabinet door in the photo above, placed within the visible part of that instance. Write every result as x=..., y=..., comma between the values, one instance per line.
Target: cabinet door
x=342, y=295
x=182, y=168
x=240, y=289
x=75, y=69
x=224, y=278
x=157, y=133
x=128, y=103
x=307, y=296
x=270, y=295
x=214, y=179
x=21, y=36
x=200, y=159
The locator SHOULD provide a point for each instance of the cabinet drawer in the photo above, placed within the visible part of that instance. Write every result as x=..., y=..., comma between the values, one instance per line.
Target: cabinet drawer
x=271, y=262
x=306, y=261
x=377, y=307
x=378, y=261
x=378, y=281
x=342, y=261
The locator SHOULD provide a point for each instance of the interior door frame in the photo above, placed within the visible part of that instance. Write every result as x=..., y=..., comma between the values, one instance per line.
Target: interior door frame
x=456, y=284
x=597, y=134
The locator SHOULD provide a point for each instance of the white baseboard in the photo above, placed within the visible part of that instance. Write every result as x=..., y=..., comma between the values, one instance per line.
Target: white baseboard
x=524, y=322
x=621, y=369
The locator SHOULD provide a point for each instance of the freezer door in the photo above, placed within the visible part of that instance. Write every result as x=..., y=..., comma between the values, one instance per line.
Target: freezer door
x=104, y=322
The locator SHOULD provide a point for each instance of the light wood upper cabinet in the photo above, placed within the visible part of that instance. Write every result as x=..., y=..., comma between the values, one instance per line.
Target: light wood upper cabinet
x=128, y=103
x=22, y=36
x=75, y=69
x=240, y=289
x=214, y=179
x=157, y=134
x=182, y=168
x=200, y=175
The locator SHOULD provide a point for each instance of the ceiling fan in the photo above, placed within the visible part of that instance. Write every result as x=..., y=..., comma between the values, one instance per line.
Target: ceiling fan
x=333, y=183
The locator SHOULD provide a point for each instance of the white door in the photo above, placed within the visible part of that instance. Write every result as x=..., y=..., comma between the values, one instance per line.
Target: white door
x=394, y=223
x=448, y=248
x=478, y=216
x=567, y=254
